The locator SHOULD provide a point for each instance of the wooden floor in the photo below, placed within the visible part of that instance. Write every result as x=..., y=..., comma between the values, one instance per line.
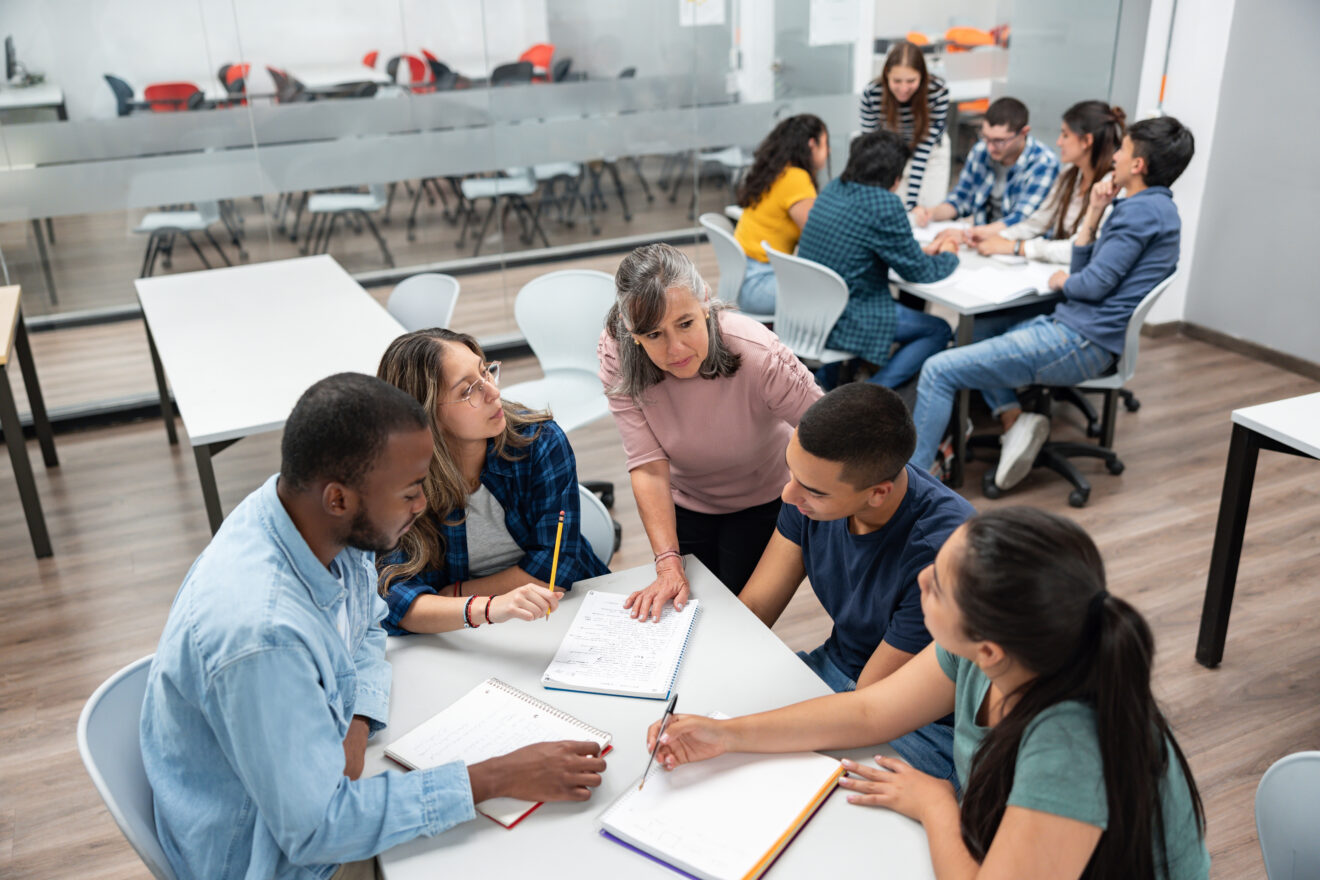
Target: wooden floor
x=126, y=519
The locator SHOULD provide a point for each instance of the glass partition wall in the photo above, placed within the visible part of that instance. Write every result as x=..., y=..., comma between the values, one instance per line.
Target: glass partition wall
x=490, y=140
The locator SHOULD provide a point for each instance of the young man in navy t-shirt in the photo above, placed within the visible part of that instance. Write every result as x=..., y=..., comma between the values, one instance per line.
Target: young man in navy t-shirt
x=860, y=523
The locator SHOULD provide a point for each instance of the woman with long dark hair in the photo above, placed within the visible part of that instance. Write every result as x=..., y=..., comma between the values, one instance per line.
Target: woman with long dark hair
x=1068, y=766
x=776, y=195
x=906, y=99
x=1091, y=132
x=500, y=476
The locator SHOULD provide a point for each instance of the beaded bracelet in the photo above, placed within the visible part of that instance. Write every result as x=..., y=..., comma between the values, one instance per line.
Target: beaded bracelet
x=467, y=618
x=487, y=612
x=667, y=555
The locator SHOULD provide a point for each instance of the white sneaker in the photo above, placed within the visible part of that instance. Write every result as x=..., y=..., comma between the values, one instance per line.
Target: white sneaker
x=1021, y=443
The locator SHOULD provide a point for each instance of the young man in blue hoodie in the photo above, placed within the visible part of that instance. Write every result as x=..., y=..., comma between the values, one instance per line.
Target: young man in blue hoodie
x=1083, y=336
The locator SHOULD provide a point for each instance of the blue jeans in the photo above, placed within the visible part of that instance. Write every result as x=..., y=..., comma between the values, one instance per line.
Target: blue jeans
x=758, y=290
x=1039, y=350
x=929, y=748
x=919, y=335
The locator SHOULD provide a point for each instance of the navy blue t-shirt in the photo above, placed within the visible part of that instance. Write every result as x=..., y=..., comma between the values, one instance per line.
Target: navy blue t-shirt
x=868, y=583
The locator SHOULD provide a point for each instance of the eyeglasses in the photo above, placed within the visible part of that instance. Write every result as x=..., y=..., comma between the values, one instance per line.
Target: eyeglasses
x=1000, y=143
x=489, y=373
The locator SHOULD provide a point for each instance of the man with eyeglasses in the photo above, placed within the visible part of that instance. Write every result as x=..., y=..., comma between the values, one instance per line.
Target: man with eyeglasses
x=1007, y=176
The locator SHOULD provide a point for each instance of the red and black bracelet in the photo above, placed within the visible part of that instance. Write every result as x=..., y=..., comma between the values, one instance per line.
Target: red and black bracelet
x=487, y=610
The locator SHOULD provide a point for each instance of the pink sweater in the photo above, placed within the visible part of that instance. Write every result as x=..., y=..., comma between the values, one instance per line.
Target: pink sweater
x=725, y=438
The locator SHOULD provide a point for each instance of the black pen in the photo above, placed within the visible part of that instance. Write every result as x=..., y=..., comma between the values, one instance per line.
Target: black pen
x=664, y=723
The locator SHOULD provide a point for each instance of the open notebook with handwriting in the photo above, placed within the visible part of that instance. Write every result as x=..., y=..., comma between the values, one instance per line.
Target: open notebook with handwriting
x=492, y=719
x=607, y=651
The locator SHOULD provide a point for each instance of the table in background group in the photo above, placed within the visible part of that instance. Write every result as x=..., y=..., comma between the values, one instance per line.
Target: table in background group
x=733, y=664
x=14, y=337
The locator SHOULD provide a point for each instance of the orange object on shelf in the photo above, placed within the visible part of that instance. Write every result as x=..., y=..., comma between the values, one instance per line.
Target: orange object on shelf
x=917, y=38
x=960, y=39
x=978, y=106
x=370, y=58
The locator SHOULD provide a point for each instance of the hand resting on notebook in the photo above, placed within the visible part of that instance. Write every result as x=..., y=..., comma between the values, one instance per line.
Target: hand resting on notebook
x=552, y=771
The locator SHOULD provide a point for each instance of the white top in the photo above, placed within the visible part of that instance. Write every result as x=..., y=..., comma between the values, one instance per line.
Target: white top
x=317, y=77
x=491, y=549
x=1293, y=422
x=562, y=838
x=241, y=345
x=20, y=97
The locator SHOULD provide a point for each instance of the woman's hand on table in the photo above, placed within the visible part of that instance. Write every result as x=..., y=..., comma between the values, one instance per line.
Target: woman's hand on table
x=994, y=244
x=670, y=585
x=895, y=785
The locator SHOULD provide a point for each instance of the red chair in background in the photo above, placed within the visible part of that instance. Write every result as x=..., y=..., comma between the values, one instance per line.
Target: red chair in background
x=234, y=78
x=171, y=97
x=370, y=58
x=541, y=55
x=417, y=74
x=963, y=39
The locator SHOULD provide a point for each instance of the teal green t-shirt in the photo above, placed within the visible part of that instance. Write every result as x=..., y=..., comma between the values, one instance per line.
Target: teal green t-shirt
x=1060, y=771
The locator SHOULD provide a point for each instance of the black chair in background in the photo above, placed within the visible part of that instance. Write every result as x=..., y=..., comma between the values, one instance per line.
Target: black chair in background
x=559, y=72
x=123, y=95
x=512, y=74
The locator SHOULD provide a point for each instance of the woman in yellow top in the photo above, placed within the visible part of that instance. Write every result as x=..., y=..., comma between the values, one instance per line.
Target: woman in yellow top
x=776, y=196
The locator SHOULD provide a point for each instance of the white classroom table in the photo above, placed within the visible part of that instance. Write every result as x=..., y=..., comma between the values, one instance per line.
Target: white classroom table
x=328, y=77
x=734, y=664
x=240, y=346
x=962, y=299
x=1291, y=426
x=35, y=97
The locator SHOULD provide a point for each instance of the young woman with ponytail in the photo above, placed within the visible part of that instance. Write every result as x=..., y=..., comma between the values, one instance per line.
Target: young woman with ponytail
x=776, y=196
x=1092, y=131
x=1068, y=767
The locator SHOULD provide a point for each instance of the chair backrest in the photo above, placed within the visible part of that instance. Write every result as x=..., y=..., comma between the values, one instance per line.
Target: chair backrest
x=1127, y=363
x=111, y=749
x=1287, y=802
x=597, y=524
x=539, y=55
x=123, y=94
x=439, y=70
x=209, y=212
x=512, y=74
x=222, y=74
x=287, y=88
x=810, y=299
x=560, y=71
x=417, y=69
x=728, y=253
x=561, y=315
x=424, y=301
x=628, y=73
x=171, y=97
x=370, y=58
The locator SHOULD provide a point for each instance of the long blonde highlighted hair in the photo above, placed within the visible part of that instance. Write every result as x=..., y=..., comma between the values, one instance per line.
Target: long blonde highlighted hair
x=414, y=363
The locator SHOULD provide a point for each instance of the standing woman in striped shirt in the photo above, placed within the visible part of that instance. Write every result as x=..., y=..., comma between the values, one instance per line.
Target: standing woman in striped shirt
x=906, y=99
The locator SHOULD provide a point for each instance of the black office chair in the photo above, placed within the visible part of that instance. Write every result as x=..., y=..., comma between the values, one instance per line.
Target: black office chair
x=559, y=72
x=288, y=89
x=512, y=74
x=124, y=103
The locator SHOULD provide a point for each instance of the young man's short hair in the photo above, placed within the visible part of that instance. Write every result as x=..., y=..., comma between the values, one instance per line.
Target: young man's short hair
x=866, y=428
x=876, y=159
x=1008, y=112
x=340, y=426
x=1166, y=145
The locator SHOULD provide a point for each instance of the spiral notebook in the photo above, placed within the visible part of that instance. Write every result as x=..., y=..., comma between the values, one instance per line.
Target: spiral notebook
x=607, y=651
x=492, y=719
x=728, y=818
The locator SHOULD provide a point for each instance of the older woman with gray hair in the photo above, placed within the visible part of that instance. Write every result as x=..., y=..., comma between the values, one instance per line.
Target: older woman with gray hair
x=706, y=400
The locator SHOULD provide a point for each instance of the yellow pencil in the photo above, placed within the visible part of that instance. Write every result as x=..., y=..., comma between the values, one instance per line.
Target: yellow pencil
x=554, y=563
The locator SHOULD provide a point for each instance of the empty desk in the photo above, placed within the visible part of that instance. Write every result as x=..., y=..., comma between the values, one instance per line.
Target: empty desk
x=13, y=337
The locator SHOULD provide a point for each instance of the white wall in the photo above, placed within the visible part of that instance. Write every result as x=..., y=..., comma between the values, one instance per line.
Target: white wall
x=75, y=42
x=1192, y=93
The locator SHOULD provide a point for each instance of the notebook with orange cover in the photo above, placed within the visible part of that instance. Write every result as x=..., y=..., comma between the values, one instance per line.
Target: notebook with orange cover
x=728, y=818
x=492, y=719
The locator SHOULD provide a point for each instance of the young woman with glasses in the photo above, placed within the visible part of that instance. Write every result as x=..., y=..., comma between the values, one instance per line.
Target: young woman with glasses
x=499, y=478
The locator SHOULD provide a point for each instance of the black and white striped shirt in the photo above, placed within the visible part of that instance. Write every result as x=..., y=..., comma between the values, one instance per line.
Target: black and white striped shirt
x=873, y=117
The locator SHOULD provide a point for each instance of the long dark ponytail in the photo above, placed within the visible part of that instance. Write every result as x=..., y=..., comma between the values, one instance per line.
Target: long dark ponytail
x=788, y=143
x=1106, y=126
x=1034, y=583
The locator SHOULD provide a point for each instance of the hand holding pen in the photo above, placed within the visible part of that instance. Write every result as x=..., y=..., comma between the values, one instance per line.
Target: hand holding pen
x=664, y=722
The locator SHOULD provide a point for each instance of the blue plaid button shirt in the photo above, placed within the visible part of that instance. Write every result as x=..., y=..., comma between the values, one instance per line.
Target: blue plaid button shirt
x=532, y=490
x=861, y=232
x=1027, y=184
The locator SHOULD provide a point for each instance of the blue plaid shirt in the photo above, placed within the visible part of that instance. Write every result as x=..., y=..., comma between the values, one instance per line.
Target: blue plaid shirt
x=1028, y=183
x=532, y=490
x=861, y=232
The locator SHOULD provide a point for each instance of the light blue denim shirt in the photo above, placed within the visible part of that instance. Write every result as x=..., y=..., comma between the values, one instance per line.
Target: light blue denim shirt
x=249, y=700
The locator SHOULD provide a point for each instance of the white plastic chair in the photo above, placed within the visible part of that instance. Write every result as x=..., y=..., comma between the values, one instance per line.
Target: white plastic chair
x=561, y=315
x=327, y=208
x=733, y=262
x=111, y=749
x=514, y=189
x=810, y=300
x=424, y=301
x=597, y=524
x=1287, y=803
x=160, y=227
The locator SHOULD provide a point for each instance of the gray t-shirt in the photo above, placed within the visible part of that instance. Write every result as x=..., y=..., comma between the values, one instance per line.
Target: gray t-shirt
x=490, y=547
x=1060, y=771
x=994, y=207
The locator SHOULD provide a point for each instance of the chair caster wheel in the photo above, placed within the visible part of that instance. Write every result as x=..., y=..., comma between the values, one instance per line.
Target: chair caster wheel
x=988, y=487
x=1132, y=405
x=1078, y=498
x=1093, y=431
x=1115, y=467
x=607, y=498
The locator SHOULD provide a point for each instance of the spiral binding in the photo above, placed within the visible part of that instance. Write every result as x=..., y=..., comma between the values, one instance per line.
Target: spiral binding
x=678, y=664
x=545, y=707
